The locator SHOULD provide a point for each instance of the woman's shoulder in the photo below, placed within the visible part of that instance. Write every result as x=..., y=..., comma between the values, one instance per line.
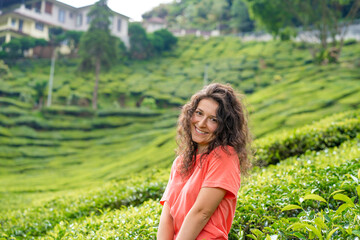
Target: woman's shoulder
x=224, y=151
x=224, y=156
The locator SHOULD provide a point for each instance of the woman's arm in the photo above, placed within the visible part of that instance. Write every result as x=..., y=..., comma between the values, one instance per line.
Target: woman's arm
x=205, y=205
x=166, y=227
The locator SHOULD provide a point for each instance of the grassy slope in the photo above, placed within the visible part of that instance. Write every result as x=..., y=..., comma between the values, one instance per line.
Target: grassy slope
x=40, y=159
x=95, y=212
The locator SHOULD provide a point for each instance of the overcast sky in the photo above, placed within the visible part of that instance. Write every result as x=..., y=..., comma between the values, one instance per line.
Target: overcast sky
x=130, y=8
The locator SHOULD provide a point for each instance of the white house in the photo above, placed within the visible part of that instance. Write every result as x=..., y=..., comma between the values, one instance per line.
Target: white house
x=35, y=19
x=154, y=24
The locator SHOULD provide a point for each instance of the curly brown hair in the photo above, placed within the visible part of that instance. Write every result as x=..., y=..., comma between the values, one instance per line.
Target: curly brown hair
x=232, y=127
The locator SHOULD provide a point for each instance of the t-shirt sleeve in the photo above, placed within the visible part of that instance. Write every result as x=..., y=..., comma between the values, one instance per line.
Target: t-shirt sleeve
x=166, y=194
x=223, y=171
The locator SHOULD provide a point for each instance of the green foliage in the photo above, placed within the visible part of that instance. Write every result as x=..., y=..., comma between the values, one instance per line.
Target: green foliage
x=62, y=210
x=230, y=16
x=322, y=17
x=82, y=150
x=56, y=35
x=98, y=48
x=40, y=87
x=97, y=42
x=5, y=72
x=327, y=133
x=140, y=45
x=162, y=40
x=287, y=34
x=40, y=42
x=325, y=224
x=240, y=19
x=299, y=189
x=14, y=48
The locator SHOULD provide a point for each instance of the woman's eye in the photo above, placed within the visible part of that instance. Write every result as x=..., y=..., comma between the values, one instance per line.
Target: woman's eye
x=198, y=113
x=214, y=120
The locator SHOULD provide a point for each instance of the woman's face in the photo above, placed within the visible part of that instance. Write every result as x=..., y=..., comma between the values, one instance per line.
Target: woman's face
x=204, y=123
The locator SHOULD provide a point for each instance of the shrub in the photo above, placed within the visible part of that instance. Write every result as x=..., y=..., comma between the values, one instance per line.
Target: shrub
x=327, y=133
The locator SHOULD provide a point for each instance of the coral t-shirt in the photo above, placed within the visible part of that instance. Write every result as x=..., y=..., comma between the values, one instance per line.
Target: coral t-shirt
x=219, y=169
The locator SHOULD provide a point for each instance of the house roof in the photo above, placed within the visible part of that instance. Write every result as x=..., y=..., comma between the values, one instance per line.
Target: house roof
x=89, y=6
x=156, y=20
x=8, y=3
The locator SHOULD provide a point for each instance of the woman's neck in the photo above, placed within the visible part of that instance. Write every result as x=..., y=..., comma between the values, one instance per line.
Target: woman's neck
x=202, y=149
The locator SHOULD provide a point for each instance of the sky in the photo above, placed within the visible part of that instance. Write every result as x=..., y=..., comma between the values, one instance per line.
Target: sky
x=130, y=8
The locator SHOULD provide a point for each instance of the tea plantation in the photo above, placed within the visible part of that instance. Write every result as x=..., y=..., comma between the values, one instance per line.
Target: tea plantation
x=67, y=172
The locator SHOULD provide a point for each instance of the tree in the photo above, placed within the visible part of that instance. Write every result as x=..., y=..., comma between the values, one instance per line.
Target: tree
x=322, y=18
x=39, y=87
x=240, y=19
x=26, y=44
x=73, y=38
x=13, y=48
x=140, y=45
x=97, y=47
x=162, y=40
x=8, y=5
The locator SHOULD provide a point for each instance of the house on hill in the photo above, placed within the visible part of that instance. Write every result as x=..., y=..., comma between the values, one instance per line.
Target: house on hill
x=153, y=24
x=35, y=18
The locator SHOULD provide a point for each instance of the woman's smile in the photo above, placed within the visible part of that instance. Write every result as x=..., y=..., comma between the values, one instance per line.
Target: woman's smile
x=199, y=131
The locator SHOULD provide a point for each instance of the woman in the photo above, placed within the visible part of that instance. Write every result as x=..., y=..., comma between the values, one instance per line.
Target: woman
x=213, y=149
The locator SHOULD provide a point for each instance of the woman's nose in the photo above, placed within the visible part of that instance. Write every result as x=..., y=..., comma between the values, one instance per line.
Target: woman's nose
x=202, y=122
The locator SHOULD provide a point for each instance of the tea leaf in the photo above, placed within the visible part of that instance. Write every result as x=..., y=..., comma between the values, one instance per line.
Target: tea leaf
x=257, y=232
x=331, y=233
x=315, y=197
x=290, y=207
x=356, y=232
x=320, y=223
x=336, y=192
x=251, y=236
x=307, y=227
x=344, y=198
x=299, y=235
x=342, y=208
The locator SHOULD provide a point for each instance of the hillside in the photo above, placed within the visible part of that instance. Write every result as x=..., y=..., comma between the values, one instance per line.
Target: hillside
x=128, y=209
x=69, y=152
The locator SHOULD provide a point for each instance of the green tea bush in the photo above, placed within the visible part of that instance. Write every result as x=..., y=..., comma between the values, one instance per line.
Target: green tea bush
x=268, y=191
x=38, y=220
x=12, y=111
x=134, y=112
x=126, y=223
x=326, y=133
x=68, y=110
x=4, y=101
x=260, y=200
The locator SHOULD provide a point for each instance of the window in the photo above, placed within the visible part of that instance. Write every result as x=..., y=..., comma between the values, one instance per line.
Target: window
x=2, y=40
x=39, y=26
x=37, y=7
x=13, y=22
x=61, y=15
x=21, y=23
x=119, y=25
x=79, y=20
x=71, y=15
x=48, y=7
x=88, y=19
